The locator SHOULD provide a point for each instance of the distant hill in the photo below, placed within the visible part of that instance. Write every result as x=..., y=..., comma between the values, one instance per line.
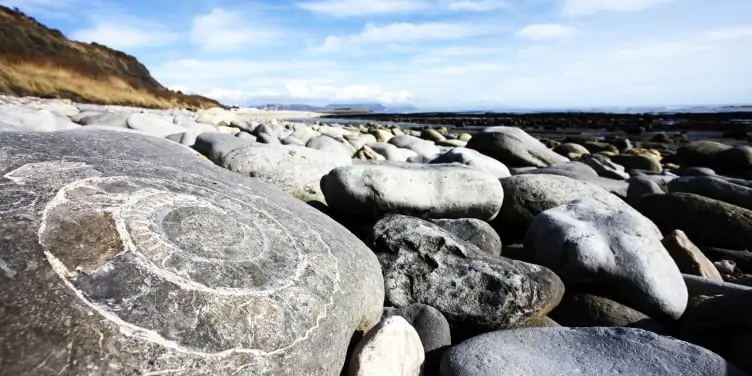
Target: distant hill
x=366, y=107
x=42, y=62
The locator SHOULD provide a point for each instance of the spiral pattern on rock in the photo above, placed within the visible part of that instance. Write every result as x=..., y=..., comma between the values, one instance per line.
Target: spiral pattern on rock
x=189, y=267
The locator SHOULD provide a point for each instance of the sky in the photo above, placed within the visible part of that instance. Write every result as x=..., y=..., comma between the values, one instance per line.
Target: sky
x=434, y=54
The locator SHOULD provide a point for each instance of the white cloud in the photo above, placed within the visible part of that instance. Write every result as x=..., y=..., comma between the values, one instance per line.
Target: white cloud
x=126, y=34
x=477, y=5
x=347, y=8
x=586, y=7
x=350, y=8
x=295, y=92
x=731, y=33
x=544, y=31
x=221, y=30
x=405, y=32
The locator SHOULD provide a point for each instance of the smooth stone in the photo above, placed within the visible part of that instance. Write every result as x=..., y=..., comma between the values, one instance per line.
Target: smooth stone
x=473, y=231
x=290, y=140
x=722, y=324
x=697, y=285
x=304, y=134
x=582, y=352
x=382, y=135
x=152, y=125
x=216, y=146
x=586, y=310
x=192, y=126
x=476, y=292
x=296, y=170
x=419, y=146
x=571, y=150
x=638, y=162
x=432, y=135
x=328, y=144
x=718, y=156
x=452, y=143
x=600, y=147
x=360, y=140
x=528, y=195
x=268, y=139
x=695, y=171
x=428, y=191
x=732, y=191
x=271, y=129
x=390, y=152
x=27, y=119
x=366, y=153
x=392, y=348
x=125, y=254
x=706, y=221
x=688, y=257
x=513, y=147
x=431, y=325
x=582, y=172
x=618, y=252
x=114, y=119
x=641, y=186
x=473, y=159
x=604, y=167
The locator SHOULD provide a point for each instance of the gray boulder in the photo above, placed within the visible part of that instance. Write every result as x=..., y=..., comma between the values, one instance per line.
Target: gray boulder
x=582, y=172
x=473, y=231
x=641, y=186
x=605, y=167
x=28, y=119
x=588, y=243
x=391, y=152
x=431, y=325
x=528, y=195
x=732, y=191
x=216, y=146
x=706, y=221
x=152, y=125
x=513, y=147
x=582, y=352
x=296, y=170
x=427, y=191
x=421, y=147
x=587, y=310
x=124, y=254
x=328, y=144
x=424, y=264
x=475, y=160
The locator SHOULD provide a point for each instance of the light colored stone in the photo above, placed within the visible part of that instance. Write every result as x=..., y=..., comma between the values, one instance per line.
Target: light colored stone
x=587, y=242
x=688, y=257
x=392, y=348
x=294, y=169
x=429, y=191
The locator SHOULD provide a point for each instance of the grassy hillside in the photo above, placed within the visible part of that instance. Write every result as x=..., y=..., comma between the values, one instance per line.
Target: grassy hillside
x=42, y=62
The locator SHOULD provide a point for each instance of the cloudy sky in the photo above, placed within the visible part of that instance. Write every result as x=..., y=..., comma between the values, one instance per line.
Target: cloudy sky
x=432, y=53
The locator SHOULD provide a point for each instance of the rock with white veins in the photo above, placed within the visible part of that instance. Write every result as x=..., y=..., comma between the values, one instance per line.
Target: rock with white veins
x=296, y=170
x=427, y=191
x=128, y=255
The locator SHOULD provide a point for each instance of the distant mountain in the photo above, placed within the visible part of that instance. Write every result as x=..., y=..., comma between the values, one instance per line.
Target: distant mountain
x=371, y=107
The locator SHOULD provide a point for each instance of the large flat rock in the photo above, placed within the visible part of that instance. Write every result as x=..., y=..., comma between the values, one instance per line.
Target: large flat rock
x=125, y=254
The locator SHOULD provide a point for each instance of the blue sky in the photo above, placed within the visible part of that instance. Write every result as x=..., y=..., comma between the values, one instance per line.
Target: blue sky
x=432, y=53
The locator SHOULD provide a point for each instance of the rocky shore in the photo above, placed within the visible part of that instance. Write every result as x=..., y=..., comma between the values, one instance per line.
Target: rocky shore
x=217, y=242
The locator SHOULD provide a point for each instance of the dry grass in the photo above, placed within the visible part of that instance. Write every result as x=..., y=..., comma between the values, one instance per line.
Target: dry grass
x=38, y=61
